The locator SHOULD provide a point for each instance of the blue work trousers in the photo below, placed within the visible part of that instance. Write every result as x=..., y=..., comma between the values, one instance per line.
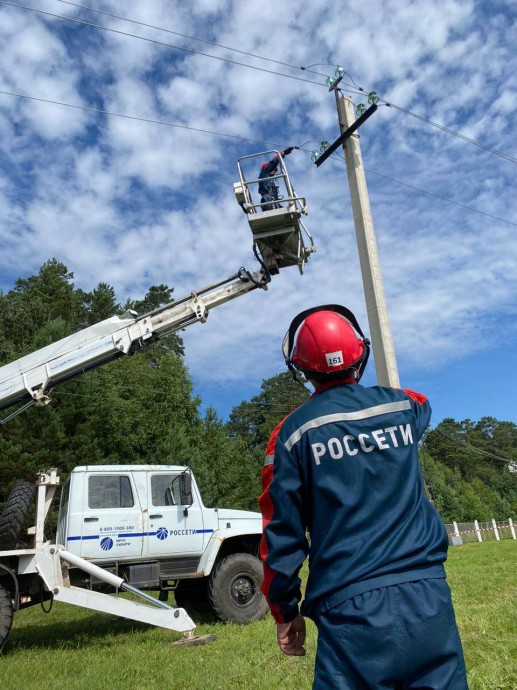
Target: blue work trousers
x=401, y=637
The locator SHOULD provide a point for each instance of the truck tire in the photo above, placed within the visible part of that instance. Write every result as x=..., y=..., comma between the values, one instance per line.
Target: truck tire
x=13, y=516
x=234, y=589
x=193, y=595
x=6, y=615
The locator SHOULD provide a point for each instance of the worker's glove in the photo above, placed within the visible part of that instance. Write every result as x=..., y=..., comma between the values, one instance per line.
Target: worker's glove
x=288, y=150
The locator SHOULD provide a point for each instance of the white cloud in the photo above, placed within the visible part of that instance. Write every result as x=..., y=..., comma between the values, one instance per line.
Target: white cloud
x=134, y=203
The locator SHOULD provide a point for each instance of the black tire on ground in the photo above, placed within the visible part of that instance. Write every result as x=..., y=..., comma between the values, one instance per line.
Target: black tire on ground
x=13, y=516
x=234, y=589
x=193, y=595
x=6, y=615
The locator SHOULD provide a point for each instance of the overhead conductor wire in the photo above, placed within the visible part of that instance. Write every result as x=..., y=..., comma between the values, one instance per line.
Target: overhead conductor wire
x=357, y=89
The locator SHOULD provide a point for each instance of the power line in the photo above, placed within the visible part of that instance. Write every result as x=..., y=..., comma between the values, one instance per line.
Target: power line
x=233, y=136
x=443, y=198
x=190, y=38
x=279, y=411
x=358, y=89
x=119, y=399
x=159, y=43
x=461, y=441
x=444, y=129
x=289, y=76
x=131, y=117
x=437, y=196
x=450, y=131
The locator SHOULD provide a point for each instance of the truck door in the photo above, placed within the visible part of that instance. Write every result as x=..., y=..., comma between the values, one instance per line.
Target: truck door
x=169, y=531
x=111, y=521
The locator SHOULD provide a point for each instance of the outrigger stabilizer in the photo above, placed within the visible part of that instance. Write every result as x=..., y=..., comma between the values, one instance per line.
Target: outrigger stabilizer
x=52, y=563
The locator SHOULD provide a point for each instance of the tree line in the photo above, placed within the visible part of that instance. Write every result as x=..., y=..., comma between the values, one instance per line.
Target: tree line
x=142, y=410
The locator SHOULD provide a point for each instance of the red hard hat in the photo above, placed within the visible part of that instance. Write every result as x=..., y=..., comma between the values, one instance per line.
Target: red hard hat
x=324, y=340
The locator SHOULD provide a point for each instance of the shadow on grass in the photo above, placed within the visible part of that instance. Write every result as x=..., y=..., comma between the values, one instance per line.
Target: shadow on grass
x=82, y=632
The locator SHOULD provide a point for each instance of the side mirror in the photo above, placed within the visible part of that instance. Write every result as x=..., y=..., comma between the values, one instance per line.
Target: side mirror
x=186, y=488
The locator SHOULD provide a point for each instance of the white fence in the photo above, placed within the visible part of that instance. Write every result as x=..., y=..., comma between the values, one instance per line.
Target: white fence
x=483, y=531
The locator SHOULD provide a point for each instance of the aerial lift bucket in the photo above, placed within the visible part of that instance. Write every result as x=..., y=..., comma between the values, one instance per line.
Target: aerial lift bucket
x=277, y=227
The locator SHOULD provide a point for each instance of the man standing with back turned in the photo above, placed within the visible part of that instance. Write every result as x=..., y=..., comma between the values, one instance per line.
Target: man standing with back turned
x=343, y=468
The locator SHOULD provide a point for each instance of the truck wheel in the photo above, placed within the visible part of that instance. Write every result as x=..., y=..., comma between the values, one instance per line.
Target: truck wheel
x=234, y=589
x=192, y=595
x=13, y=516
x=6, y=615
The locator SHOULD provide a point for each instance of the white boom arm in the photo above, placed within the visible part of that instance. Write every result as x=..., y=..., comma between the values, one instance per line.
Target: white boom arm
x=48, y=559
x=33, y=375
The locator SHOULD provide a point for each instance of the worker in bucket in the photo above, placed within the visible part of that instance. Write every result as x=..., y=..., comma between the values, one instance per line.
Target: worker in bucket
x=268, y=188
x=342, y=486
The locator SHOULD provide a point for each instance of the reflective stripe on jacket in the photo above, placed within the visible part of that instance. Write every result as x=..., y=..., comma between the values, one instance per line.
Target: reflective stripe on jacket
x=343, y=468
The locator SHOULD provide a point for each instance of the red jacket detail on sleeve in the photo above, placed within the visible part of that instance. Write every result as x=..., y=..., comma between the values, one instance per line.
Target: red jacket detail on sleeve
x=417, y=397
x=266, y=508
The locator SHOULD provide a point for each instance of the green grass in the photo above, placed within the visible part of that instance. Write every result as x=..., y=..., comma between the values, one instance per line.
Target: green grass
x=76, y=649
x=483, y=580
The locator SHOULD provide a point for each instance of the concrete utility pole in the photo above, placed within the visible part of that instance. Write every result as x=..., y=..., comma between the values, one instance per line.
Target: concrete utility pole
x=382, y=342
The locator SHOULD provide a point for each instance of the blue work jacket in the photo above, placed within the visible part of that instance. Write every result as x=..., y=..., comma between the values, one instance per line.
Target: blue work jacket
x=342, y=485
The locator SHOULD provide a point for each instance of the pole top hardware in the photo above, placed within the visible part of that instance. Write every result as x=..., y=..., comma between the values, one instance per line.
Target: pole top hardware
x=346, y=135
x=332, y=82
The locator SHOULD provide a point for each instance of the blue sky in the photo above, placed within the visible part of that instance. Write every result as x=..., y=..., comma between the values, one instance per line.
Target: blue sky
x=131, y=202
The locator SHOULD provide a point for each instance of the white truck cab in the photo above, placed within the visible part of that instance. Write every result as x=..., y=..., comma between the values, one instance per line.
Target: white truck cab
x=125, y=514
x=135, y=528
x=148, y=525
x=127, y=511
